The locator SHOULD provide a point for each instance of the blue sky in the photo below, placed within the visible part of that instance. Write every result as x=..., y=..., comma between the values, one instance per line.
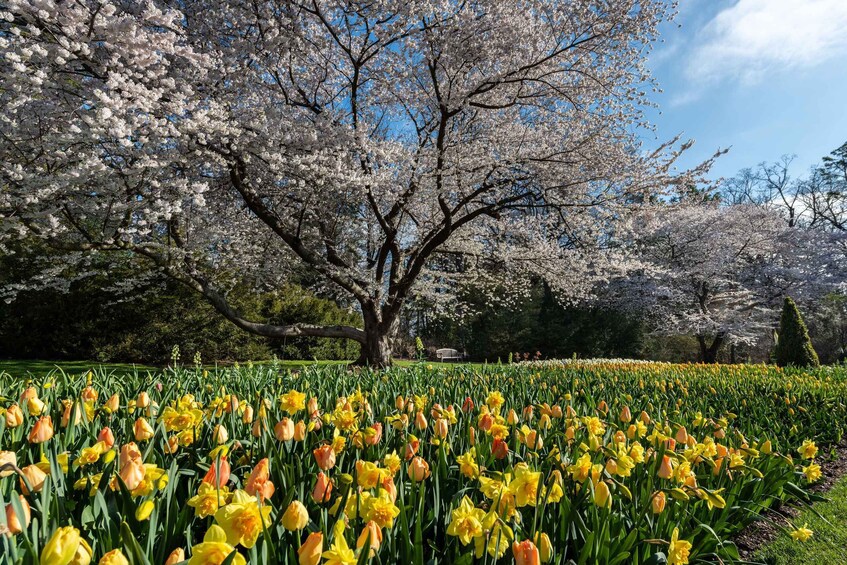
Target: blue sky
x=764, y=77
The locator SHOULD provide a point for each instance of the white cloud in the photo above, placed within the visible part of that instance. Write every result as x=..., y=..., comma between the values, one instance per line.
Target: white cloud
x=755, y=37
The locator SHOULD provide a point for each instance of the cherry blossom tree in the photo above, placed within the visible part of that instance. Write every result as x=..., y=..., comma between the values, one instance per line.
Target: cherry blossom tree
x=388, y=147
x=720, y=273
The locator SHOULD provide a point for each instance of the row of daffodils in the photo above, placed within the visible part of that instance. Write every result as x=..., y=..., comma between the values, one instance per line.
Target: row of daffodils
x=574, y=463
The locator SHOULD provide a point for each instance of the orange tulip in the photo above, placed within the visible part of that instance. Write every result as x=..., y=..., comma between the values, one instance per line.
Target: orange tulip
x=218, y=473
x=420, y=421
x=143, y=430
x=113, y=403
x=526, y=553
x=70, y=410
x=311, y=550
x=325, y=456
x=284, y=430
x=389, y=487
x=34, y=476
x=418, y=469
x=42, y=430
x=499, y=449
x=665, y=469
x=143, y=400
x=88, y=394
x=176, y=556
x=374, y=437
x=300, y=431
x=412, y=448
x=323, y=488
x=132, y=474
x=441, y=428
x=12, y=518
x=30, y=392
x=107, y=437
x=312, y=407
x=247, y=415
x=259, y=483
x=682, y=435
x=14, y=416
x=370, y=534
x=485, y=422
x=626, y=415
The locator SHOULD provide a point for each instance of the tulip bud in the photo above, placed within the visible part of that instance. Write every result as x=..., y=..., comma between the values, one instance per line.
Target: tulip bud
x=467, y=405
x=512, y=417
x=602, y=495
x=14, y=416
x=420, y=421
x=176, y=556
x=42, y=430
x=113, y=403
x=626, y=415
x=526, y=553
x=682, y=435
x=323, y=489
x=13, y=520
x=143, y=430
x=114, y=557
x=399, y=402
x=441, y=428
x=220, y=434
x=311, y=550
x=34, y=476
x=107, y=437
x=66, y=546
x=499, y=449
x=665, y=469
x=143, y=400
x=284, y=430
x=658, y=502
x=325, y=457
x=418, y=469
x=8, y=458
x=372, y=535
x=545, y=547
x=300, y=431
x=296, y=517
x=247, y=415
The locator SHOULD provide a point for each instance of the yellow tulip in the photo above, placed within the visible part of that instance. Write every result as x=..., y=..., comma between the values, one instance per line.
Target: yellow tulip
x=296, y=517
x=114, y=557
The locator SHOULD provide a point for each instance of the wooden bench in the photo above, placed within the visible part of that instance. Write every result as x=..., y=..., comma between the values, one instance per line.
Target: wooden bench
x=447, y=354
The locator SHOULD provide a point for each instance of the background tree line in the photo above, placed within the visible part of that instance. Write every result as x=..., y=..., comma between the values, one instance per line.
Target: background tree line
x=92, y=314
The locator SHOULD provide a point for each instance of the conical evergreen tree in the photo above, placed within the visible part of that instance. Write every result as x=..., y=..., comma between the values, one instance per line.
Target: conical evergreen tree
x=793, y=346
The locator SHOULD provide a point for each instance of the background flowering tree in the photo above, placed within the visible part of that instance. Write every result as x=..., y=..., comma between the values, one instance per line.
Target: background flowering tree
x=386, y=148
x=720, y=273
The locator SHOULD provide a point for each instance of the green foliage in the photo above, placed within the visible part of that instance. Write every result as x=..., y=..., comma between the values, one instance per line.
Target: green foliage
x=794, y=347
x=539, y=323
x=144, y=325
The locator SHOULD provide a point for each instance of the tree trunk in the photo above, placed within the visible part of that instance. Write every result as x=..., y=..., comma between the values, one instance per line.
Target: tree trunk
x=709, y=353
x=376, y=348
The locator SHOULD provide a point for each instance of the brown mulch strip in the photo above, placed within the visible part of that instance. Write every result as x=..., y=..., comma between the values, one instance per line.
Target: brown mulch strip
x=764, y=531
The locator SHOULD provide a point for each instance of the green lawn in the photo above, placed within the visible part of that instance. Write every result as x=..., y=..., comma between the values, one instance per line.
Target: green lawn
x=22, y=368
x=829, y=542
